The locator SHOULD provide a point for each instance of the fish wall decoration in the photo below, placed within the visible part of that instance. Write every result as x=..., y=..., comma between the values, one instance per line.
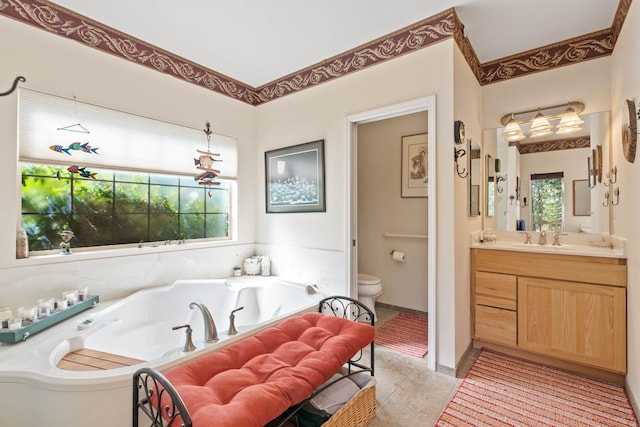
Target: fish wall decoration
x=74, y=146
x=83, y=172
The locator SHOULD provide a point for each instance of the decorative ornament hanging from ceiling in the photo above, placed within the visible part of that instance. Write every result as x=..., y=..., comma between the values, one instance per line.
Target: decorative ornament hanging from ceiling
x=204, y=163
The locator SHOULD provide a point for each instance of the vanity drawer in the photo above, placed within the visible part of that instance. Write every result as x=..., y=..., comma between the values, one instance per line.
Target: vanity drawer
x=496, y=324
x=496, y=290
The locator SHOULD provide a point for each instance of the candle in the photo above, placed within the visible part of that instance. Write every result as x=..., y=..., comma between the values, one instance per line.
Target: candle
x=5, y=315
x=45, y=306
x=70, y=296
x=29, y=313
x=15, y=323
x=83, y=293
x=61, y=304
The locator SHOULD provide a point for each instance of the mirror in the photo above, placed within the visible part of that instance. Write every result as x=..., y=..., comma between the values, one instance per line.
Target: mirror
x=581, y=197
x=475, y=177
x=565, y=154
x=491, y=189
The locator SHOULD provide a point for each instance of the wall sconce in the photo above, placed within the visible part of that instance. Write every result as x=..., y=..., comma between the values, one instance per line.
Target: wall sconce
x=500, y=179
x=567, y=114
x=612, y=176
x=612, y=200
x=457, y=154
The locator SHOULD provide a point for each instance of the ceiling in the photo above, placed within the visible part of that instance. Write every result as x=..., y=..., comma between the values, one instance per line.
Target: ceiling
x=257, y=41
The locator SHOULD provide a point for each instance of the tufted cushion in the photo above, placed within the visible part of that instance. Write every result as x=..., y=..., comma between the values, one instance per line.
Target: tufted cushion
x=251, y=382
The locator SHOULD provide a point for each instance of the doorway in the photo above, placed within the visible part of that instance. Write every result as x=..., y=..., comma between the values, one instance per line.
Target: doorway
x=427, y=105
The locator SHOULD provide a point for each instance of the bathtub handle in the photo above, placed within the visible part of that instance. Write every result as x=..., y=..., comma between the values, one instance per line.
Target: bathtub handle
x=232, y=318
x=188, y=345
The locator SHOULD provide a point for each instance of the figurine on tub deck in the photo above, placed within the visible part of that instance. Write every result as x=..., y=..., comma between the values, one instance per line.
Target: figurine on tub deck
x=65, y=246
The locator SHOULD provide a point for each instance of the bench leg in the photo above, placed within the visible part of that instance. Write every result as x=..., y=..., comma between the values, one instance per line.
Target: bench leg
x=155, y=397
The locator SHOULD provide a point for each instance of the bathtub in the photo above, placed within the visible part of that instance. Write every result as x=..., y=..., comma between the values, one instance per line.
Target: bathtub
x=140, y=327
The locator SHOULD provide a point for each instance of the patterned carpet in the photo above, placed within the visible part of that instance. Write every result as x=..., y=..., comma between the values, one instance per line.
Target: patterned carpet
x=501, y=390
x=406, y=333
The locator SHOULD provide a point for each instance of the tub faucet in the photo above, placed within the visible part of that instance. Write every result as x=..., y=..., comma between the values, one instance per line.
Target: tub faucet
x=210, y=332
x=232, y=321
x=542, y=240
x=188, y=344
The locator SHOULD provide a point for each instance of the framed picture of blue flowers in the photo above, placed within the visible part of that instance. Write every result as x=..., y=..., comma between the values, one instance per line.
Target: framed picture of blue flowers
x=295, y=178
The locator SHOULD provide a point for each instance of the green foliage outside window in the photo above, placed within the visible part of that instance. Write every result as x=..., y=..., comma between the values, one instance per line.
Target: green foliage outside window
x=118, y=208
x=546, y=204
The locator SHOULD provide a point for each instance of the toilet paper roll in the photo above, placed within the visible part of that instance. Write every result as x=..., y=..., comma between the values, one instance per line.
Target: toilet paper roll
x=398, y=256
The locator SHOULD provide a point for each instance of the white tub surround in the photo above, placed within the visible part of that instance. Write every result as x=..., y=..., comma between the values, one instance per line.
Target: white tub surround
x=138, y=326
x=581, y=244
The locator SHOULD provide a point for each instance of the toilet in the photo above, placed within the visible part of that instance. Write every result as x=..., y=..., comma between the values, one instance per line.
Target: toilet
x=369, y=287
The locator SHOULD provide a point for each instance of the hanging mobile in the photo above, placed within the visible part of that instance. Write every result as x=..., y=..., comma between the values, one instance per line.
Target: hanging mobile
x=205, y=162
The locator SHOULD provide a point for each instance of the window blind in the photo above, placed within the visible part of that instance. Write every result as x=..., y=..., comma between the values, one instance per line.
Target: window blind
x=550, y=175
x=62, y=131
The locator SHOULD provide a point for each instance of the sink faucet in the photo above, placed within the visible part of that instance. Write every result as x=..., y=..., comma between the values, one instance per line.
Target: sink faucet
x=210, y=331
x=527, y=237
x=542, y=240
x=556, y=238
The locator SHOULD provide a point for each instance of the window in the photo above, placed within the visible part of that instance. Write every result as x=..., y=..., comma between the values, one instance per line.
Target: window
x=135, y=181
x=547, y=194
x=118, y=208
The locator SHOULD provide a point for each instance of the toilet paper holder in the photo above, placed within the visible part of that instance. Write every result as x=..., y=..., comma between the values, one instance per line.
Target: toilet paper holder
x=397, y=255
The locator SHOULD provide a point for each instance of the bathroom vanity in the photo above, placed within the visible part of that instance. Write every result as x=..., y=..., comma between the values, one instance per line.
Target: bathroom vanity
x=551, y=305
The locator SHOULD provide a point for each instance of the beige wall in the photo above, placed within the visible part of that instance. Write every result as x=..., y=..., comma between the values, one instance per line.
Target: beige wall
x=60, y=66
x=382, y=209
x=56, y=65
x=321, y=112
x=603, y=85
x=625, y=84
x=467, y=96
x=586, y=82
x=66, y=68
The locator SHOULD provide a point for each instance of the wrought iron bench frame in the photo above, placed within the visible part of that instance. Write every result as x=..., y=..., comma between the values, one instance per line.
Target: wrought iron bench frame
x=151, y=385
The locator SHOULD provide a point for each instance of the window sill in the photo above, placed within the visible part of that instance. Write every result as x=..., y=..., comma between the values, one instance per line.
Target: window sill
x=85, y=254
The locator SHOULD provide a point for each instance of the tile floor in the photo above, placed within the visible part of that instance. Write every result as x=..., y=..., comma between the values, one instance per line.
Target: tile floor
x=408, y=393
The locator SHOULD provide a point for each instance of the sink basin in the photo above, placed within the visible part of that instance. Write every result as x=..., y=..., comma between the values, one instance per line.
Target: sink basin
x=536, y=247
x=549, y=248
x=576, y=244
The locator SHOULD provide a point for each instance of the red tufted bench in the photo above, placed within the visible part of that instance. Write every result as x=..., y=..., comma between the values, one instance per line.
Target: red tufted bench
x=252, y=382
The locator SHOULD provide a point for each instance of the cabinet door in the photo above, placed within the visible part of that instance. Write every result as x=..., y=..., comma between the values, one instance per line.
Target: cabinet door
x=496, y=290
x=496, y=325
x=573, y=321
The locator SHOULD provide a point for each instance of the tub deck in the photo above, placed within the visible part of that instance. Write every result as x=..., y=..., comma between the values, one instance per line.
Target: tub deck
x=86, y=359
x=82, y=368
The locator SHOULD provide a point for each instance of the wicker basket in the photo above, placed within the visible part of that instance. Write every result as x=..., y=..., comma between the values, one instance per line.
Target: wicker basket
x=357, y=412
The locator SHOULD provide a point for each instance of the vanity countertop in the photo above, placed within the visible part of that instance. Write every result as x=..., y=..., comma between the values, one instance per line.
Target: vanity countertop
x=581, y=244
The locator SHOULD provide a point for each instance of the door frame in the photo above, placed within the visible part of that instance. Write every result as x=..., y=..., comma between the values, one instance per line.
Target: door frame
x=427, y=104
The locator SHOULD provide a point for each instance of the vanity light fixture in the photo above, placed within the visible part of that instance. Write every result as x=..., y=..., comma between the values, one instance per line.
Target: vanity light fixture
x=569, y=122
x=566, y=114
x=540, y=126
x=512, y=131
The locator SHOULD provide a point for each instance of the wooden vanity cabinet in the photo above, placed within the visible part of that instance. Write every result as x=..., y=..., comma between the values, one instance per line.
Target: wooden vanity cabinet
x=567, y=307
x=495, y=307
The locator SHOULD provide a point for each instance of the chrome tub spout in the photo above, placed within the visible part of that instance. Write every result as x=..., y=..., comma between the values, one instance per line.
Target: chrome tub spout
x=210, y=331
